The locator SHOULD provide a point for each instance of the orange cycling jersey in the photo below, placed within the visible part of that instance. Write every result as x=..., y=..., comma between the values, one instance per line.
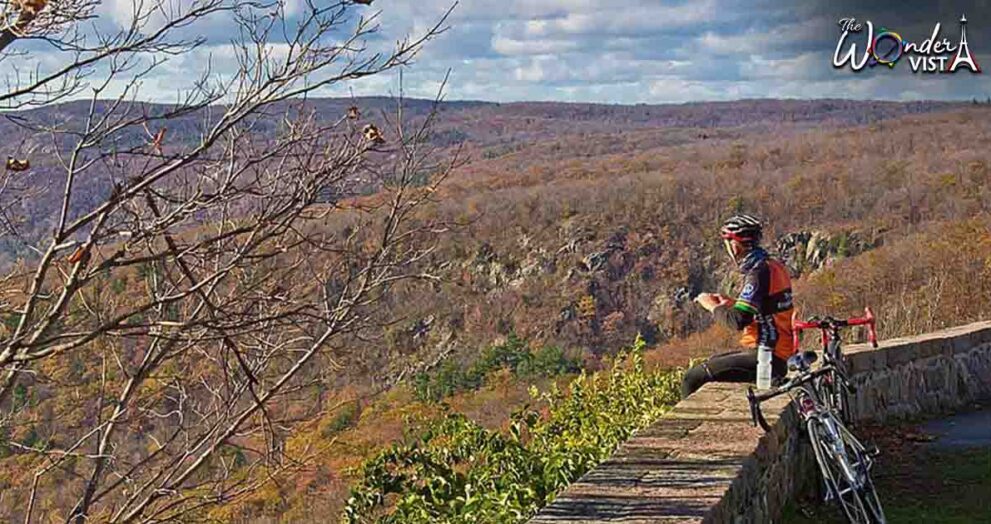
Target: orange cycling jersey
x=766, y=295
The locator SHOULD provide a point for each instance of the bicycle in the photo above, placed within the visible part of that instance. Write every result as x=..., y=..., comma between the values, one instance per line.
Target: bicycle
x=844, y=462
x=834, y=387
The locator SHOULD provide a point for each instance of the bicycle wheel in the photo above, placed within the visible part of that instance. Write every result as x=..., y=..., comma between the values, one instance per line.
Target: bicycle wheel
x=869, y=496
x=840, y=475
x=862, y=463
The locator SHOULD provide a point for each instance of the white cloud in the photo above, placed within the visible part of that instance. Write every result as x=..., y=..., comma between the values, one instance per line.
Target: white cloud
x=597, y=50
x=805, y=66
x=510, y=47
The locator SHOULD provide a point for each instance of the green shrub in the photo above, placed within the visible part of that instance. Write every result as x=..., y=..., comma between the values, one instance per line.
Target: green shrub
x=549, y=361
x=20, y=397
x=457, y=471
x=11, y=320
x=32, y=439
x=4, y=442
x=514, y=354
x=234, y=456
x=118, y=285
x=344, y=419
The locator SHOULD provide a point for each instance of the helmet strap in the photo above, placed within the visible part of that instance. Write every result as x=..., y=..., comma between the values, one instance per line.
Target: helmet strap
x=728, y=244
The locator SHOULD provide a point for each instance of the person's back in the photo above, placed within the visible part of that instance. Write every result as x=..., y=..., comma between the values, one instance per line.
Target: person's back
x=766, y=296
x=762, y=310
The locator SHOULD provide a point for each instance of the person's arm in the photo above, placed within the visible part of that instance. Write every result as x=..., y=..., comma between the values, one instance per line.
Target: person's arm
x=742, y=312
x=733, y=316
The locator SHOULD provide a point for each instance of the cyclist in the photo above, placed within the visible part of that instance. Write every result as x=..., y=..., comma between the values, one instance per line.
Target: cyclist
x=762, y=311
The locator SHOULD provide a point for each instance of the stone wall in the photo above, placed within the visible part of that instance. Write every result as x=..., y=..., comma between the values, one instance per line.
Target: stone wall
x=704, y=462
x=923, y=375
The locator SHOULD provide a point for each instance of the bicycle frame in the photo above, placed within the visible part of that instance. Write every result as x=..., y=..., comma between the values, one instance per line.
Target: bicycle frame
x=811, y=409
x=820, y=398
x=803, y=383
x=832, y=352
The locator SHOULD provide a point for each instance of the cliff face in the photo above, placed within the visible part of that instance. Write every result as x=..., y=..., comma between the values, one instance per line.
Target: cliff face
x=810, y=251
x=585, y=239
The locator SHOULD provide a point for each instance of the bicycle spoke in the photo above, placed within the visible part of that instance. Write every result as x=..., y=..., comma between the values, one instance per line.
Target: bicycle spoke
x=835, y=470
x=864, y=462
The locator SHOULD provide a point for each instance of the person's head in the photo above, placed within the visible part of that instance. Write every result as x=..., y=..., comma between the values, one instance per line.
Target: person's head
x=741, y=234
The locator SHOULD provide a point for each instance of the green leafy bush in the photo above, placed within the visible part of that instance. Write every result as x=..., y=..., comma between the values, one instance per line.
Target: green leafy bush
x=548, y=361
x=514, y=354
x=344, y=419
x=457, y=471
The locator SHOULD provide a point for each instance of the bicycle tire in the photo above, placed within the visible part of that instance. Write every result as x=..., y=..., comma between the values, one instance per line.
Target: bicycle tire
x=835, y=469
x=868, y=494
x=873, y=503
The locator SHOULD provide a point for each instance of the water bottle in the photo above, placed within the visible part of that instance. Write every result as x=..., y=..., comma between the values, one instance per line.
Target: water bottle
x=764, y=366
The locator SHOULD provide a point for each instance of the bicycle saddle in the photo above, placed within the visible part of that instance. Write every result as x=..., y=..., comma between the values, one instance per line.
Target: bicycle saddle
x=801, y=361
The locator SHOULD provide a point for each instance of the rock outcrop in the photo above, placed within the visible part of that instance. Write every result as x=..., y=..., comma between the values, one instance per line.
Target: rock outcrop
x=809, y=251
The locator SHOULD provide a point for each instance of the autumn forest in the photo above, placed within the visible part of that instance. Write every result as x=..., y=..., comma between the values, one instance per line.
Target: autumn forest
x=560, y=234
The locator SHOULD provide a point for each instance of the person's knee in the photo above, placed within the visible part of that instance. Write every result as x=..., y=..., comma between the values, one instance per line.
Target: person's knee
x=694, y=379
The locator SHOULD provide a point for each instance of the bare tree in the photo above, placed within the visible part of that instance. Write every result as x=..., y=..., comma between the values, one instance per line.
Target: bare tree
x=155, y=343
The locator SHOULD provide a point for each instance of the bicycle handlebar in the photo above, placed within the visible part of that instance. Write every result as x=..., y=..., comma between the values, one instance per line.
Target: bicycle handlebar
x=828, y=324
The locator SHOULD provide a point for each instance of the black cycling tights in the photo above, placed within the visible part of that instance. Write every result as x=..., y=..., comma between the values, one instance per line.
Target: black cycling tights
x=736, y=366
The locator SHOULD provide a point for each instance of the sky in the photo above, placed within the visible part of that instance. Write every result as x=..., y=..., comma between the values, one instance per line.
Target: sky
x=655, y=51
x=641, y=51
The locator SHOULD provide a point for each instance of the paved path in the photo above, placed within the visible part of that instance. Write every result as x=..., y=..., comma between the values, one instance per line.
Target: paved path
x=971, y=429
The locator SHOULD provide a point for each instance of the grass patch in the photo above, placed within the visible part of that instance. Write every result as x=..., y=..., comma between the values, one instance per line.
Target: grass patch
x=931, y=486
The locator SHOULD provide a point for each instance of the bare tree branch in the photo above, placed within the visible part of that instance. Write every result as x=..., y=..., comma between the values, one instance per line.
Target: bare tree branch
x=190, y=285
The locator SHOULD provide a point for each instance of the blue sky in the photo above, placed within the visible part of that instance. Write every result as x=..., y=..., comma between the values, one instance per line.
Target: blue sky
x=633, y=51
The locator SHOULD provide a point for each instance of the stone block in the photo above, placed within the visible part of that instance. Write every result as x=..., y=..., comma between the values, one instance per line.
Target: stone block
x=934, y=346
x=981, y=332
x=864, y=361
x=904, y=355
x=964, y=342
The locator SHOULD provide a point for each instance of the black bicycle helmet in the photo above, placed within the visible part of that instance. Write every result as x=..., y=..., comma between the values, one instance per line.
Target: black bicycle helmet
x=742, y=228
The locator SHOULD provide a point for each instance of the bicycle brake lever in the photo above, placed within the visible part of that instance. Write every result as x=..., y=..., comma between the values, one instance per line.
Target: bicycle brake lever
x=753, y=406
x=756, y=417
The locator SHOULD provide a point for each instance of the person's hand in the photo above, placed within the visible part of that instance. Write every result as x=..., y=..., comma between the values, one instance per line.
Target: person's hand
x=723, y=299
x=708, y=301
